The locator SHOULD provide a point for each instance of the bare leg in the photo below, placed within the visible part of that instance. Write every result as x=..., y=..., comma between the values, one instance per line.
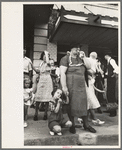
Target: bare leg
x=92, y=112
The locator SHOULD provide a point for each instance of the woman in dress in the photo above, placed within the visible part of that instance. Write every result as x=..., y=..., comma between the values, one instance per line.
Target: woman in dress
x=44, y=86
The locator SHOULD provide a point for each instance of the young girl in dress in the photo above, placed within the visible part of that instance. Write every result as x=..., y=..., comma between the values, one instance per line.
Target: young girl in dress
x=28, y=98
x=92, y=101
x=56, y=119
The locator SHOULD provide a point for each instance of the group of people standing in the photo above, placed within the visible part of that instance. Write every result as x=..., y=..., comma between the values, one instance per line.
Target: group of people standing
x=69, y=90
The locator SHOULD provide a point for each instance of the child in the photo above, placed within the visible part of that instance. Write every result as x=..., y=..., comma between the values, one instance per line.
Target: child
x=56, y=119
x=28, y=98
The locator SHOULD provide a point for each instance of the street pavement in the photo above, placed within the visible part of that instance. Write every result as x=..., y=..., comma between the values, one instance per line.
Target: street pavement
x=37, y=132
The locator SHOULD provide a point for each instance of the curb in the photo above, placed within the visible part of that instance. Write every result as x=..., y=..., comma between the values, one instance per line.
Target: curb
x=92, y=139
x=54, y=140
x=81, y=138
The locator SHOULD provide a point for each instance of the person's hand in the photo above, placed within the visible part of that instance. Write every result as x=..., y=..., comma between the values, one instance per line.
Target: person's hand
x=65, y=90
x=113, y=75
x=60, y=100
x=92, y=81
x=26, y=99
x=37, y=71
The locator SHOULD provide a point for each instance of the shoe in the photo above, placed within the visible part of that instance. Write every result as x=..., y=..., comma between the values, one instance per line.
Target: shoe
x=112, y=115
x=80, y=120
x=35, y=118
x=59, y=133
x=52, y=133
x=72, y=130
x=98, y=122
x=25, y=124
x=89, y=128
x=45, y=117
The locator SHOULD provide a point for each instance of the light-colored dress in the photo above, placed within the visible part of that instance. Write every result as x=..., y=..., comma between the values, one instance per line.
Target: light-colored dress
x=44, y=86
x=92, y=101
x=26, y=94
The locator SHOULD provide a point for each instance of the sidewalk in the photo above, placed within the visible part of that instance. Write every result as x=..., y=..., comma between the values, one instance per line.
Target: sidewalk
x=37, y=133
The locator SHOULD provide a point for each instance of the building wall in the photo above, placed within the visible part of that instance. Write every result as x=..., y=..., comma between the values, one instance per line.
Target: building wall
x=85, y=49
x=41, y=43
x=52, y=49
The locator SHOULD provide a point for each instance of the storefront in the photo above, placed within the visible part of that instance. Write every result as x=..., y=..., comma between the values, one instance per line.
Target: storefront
x=93, y=32
x=55, y=30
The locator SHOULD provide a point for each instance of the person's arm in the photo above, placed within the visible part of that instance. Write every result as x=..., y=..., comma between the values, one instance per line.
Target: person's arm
x=63, y=70
x=99, y=69
x=36, y=70
x=87, y=62
x=114, y=65
x=47, y=57
x=58, y=106
x=27, y=99
x=67, y=100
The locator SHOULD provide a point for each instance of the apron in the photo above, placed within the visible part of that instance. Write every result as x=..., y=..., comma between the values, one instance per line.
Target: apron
x=75, y=78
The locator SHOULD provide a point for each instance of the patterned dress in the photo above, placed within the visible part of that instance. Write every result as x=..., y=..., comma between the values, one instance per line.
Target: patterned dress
x=44, y=86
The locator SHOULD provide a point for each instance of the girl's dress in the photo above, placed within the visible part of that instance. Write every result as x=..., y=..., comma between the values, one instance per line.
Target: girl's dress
x=27, y=94
x=44, y=86
x=92, y=101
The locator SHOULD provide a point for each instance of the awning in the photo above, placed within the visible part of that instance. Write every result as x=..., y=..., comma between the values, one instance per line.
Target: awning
x=93, y=30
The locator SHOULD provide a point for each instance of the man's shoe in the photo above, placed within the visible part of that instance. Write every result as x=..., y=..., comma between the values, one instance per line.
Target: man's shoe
x=89, y=128
x=113, y=113
x=72, y=130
